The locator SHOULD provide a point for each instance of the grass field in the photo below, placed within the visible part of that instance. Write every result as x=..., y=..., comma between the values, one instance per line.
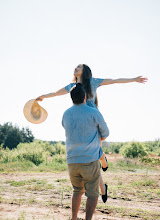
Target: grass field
x=44, y=191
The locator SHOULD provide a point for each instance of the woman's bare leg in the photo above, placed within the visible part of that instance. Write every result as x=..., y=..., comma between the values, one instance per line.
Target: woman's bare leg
x=102, y=185
x=103, y=158
x=104, y=165
x=103, y=161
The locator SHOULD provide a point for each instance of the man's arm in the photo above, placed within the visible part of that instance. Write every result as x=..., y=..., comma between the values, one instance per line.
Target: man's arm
x=102, y=126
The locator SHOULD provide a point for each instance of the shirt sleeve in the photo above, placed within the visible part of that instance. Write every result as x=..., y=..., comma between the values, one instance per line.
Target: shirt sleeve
x=62, y=122
x=96, y=82
x=102, y=125
x=69, y=87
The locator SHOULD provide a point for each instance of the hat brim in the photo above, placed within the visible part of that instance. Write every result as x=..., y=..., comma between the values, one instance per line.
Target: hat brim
x=30, y=117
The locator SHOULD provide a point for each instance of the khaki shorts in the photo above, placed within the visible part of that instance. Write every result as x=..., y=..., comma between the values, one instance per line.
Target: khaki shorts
x=85, y=178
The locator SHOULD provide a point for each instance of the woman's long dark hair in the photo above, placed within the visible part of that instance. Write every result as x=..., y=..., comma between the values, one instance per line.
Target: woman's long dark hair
x=86, y=76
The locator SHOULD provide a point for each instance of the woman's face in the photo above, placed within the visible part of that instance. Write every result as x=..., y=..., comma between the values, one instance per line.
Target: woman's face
x=78, y=70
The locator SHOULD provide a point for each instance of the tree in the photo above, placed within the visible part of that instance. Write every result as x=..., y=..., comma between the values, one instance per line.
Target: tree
x=11, y=136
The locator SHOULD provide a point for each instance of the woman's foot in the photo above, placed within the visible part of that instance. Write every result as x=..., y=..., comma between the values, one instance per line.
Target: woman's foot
x=104, y=197
x=105, y=165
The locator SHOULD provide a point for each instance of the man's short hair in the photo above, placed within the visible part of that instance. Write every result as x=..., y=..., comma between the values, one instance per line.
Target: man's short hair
x=77, y=94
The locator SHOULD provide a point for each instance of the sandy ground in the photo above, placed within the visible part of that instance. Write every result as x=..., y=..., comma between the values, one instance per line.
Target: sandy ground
x=48, y=196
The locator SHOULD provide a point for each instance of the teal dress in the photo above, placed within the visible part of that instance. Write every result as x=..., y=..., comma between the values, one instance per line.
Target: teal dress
x=95, y=83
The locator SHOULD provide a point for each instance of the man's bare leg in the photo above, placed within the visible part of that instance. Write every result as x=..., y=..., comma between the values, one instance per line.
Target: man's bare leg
x=90, y=207
x=76, y=201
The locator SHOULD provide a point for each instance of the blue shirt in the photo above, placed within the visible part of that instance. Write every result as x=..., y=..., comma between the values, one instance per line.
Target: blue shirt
x=82, y=125
x=95, y=83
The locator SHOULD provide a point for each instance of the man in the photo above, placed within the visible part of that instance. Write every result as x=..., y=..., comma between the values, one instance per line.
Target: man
x=83, y=125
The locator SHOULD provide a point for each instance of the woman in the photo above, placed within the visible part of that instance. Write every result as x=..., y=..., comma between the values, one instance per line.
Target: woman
x=83, y=74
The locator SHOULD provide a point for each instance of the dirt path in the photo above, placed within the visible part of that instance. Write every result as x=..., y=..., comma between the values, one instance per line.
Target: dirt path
x=39, y=212
x=48, y=196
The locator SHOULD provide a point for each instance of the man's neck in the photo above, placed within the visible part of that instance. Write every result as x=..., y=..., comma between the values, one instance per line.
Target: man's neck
x=81, y=103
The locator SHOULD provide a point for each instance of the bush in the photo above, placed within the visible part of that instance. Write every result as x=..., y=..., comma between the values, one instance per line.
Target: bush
x=152, y=147
x=132, y=150
x=55, y=147
x=33, y=152
x=115, y=147
x=35, y=156
x=11, y=136
x=150, y=160
x=58, y=163
x=36, y=152
x=105, y=150
x=60, y=148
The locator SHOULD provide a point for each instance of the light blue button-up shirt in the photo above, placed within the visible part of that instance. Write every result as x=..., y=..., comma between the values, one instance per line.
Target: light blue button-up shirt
x=83, y=125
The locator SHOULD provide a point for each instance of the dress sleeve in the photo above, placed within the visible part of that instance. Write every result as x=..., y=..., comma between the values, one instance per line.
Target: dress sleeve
x=96, y=82
x=69, y=87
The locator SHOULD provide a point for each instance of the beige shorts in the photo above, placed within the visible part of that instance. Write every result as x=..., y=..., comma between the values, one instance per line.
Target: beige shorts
x=85, y=178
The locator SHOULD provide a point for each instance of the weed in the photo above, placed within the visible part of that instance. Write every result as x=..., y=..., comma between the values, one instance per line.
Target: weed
x=16, y=183
x=1, y=199
x=144, y=183
x=49, y=186
x=157, y=192
x=22, y=216
x=62, y=180
x=62, y=198
x=31, y=201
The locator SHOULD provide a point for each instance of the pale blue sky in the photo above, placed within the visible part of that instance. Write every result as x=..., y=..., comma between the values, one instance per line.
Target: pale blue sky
x=41, y=42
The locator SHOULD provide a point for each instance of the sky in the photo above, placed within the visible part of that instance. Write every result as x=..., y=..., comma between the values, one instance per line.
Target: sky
x=42, y=41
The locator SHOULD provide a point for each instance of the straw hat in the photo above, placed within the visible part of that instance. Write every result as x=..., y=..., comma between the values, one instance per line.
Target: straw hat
x=34, y=113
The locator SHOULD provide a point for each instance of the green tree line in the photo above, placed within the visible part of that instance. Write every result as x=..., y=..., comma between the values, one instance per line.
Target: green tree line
x=11, y=136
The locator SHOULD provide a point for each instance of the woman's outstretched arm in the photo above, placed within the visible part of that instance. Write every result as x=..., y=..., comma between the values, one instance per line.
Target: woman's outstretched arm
x=49, y=95
x=138, y=79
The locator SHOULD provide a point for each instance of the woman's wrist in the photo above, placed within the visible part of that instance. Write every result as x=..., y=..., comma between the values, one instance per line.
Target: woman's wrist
x=134, y=79
x=49, y=95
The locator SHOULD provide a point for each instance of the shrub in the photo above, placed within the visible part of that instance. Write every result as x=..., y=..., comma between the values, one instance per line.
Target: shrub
x=115, y=147
x=132, y=150
x=60, y=148
x=57, y=163
x=152, y=146
x=33, y=152
x=36, y=152
x=150, y=160
x=105, y=150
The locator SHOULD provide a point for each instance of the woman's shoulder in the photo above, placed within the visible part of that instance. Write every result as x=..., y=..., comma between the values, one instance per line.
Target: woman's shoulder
x=69, y=86
x=96, y=81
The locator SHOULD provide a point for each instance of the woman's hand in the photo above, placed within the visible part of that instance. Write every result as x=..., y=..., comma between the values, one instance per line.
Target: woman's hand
x=140, y=79
x=40, y=98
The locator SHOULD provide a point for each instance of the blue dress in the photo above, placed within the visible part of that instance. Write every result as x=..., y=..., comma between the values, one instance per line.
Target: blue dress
x=95, y=83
